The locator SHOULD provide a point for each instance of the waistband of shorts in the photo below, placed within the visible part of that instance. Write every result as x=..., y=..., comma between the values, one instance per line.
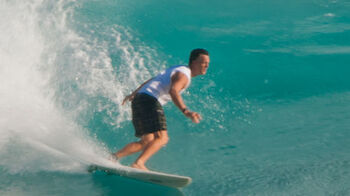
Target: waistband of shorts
x=145, y=95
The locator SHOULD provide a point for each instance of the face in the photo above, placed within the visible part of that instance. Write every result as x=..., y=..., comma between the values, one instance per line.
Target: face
x=200, y=65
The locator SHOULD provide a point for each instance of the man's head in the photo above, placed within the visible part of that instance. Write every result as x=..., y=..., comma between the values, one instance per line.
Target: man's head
x=199, y=61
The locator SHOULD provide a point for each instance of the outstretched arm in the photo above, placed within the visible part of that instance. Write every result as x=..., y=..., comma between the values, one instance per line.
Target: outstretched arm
x=132, y=95
x=179, y=82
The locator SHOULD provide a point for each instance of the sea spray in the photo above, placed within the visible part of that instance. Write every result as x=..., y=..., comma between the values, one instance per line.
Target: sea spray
x=55, y=78
x=33, y=127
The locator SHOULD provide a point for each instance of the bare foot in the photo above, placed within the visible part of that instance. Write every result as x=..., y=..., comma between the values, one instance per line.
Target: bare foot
x=113, y=158
x=139, y=166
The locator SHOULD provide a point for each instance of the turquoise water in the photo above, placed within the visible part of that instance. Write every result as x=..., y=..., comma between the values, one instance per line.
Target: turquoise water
x=275, y=100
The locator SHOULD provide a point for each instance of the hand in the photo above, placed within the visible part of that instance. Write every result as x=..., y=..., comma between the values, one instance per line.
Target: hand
x=194, y=116
x=128, y=98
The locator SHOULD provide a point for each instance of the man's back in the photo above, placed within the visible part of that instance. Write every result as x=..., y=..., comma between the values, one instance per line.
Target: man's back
x=159, y=86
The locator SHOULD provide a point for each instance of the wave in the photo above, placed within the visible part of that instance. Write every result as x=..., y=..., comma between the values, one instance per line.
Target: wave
x=55, y=75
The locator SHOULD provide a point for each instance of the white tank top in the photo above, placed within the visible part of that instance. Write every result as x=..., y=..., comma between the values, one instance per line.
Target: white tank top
x=159, y=86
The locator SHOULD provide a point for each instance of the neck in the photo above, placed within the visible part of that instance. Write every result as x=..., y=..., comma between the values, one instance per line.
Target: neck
x=193, y=73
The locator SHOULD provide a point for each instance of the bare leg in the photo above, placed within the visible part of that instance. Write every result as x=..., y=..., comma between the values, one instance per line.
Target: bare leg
x=134, y=147
x=161, y=138
x=129, y=149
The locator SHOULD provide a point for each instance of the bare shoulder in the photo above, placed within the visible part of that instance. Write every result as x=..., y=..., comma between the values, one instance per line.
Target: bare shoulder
x=179, y=80
x=178, y=76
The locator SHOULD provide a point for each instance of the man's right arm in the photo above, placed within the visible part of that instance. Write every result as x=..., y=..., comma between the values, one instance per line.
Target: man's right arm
x=132, y=95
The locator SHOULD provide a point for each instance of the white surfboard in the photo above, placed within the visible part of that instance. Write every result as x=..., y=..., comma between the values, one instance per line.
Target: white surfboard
x=160, y=178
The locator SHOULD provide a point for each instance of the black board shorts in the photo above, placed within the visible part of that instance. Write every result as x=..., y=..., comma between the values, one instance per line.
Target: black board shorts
x=147, y=115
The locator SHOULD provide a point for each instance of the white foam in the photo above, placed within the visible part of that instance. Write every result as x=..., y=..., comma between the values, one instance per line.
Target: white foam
x=329, y=15
x=50, y=76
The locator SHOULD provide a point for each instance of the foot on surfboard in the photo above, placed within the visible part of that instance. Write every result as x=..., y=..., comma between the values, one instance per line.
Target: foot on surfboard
x=93, y=168
x=139, y=166
x=113, y=158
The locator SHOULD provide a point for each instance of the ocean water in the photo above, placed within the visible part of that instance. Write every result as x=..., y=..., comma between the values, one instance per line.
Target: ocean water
x=275, y=100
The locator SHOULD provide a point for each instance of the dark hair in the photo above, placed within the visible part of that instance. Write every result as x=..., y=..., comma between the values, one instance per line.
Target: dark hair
x=196, y=53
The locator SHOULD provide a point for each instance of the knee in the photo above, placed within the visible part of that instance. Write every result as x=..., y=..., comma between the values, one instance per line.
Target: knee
x=144, y=143
x=164, y=140
x=162, y=137
x=146, y=140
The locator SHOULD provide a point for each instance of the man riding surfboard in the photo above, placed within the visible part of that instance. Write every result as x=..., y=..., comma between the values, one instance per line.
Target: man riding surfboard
x=146, y=102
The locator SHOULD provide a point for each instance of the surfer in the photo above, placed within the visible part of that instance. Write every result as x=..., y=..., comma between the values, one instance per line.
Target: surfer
x=146, y=103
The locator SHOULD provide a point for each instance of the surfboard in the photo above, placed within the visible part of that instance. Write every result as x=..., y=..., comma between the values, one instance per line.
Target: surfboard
x=154, y=177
